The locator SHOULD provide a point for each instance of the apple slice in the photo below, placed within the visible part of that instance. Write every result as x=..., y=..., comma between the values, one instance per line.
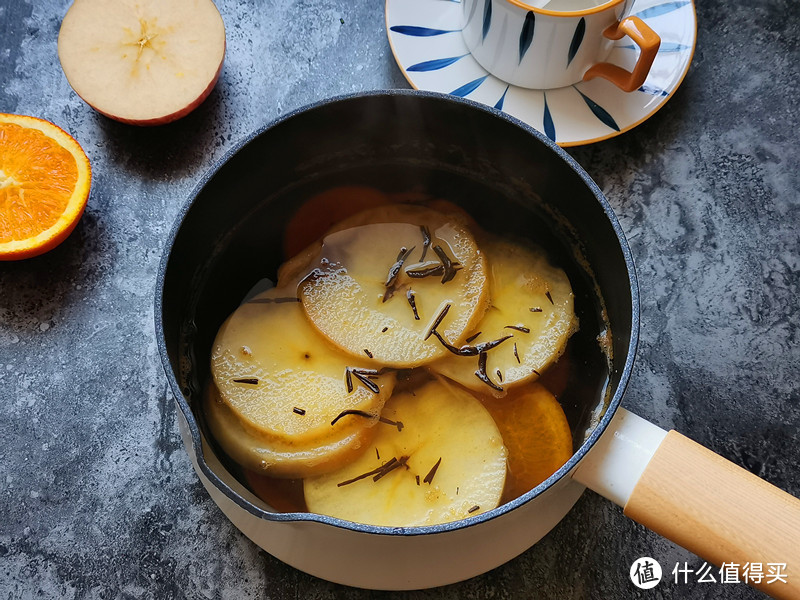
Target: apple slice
x=446, y=462
x=143, y=62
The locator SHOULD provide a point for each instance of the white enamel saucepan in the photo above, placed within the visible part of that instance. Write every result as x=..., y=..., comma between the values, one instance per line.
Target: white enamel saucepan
x=229, y=235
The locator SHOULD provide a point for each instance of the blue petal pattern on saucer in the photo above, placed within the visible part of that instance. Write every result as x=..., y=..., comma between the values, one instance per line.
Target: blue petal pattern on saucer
x=435, y=64
x=425, y=36
x=468, y=88
x=549, y=128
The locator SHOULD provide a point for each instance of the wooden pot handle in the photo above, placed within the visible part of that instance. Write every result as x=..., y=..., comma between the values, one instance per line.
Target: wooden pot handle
x=719, y=511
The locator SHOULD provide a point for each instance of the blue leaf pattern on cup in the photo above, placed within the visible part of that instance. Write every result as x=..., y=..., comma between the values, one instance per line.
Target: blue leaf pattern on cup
x=599, y=111
x=549, y=127
x=577, y=38
x=420, y=31
x=526, y=35
x=499, y=105
x=435, y=64
x=468, y=88
x=487, y=17
x=661, y=9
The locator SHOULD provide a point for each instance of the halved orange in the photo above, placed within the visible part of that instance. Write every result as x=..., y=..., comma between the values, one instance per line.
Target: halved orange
x=536, y=434
x=44, y=185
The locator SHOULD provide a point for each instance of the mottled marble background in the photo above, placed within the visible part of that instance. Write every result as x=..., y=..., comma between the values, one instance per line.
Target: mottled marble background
x=97, y=496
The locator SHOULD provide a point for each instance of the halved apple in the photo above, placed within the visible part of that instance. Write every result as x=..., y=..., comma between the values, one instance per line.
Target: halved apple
x=143, y=62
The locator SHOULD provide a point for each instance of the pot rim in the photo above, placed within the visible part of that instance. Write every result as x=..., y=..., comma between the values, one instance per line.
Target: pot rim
x=194, y=429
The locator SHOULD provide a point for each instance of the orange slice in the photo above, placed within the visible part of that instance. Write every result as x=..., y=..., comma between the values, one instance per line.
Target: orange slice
x=536, y=434
x=44, y=185
x=321, y=212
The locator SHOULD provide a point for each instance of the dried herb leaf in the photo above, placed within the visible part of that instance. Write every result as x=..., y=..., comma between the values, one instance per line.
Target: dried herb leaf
x=429, y=477
x=427, y=269
x=483, y=376
x=394, y=271
x=352, y=411
x=365, y=380
x=247, y=380
x=426, y=241
x=413, y=303
x=364, y=475
x=438, y=321
x=363, y=376
x=468, y=350
x=366, y=415
x=486, y=346
x=451, y=267
x=348, y=377
x=393, y=464
x=521, y=328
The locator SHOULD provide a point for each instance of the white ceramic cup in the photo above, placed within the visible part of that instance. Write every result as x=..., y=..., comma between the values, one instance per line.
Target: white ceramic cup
x=543, y=48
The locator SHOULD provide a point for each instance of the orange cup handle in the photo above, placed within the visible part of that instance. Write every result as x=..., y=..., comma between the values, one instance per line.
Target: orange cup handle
x=648, y=42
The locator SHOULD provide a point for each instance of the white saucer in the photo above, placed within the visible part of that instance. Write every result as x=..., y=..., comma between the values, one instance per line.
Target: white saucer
x=425, y=36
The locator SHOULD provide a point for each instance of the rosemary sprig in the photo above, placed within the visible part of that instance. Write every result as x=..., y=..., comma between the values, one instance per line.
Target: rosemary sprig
x=467, y=350
x=387, y=467
x=364, y=376
x=451, y=267
x=394, y=271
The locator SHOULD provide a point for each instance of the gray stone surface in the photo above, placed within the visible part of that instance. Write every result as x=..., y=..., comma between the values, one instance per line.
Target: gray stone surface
x=97, y=496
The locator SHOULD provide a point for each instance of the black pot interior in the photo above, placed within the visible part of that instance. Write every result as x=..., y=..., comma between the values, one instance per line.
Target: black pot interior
x=506, y=176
